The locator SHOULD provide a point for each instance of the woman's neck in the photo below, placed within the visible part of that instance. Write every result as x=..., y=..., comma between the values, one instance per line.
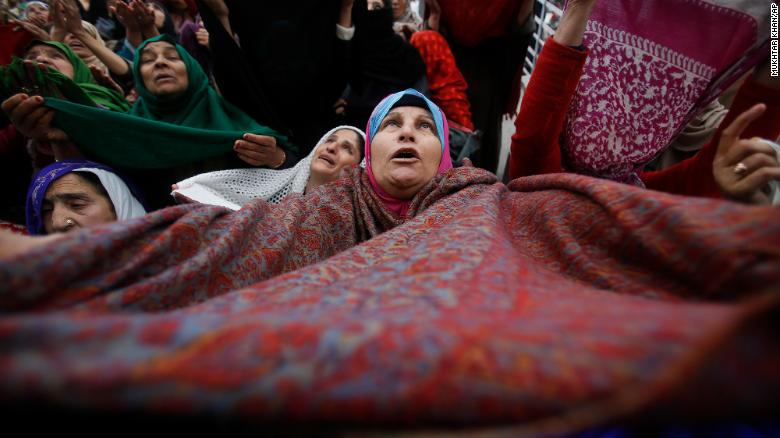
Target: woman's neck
x=312, y=184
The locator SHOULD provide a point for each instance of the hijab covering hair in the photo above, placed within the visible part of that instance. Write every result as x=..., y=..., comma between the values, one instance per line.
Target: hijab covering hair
x=37, y=3
x=82, y=88
x=123, y=196
x=408, y=97
x=234, y=188
x=161, y=132
x=408, y=17
x=92, y=59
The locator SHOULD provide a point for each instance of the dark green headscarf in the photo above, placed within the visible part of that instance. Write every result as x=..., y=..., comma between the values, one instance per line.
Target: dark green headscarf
x=81, y=89
x=160, y=133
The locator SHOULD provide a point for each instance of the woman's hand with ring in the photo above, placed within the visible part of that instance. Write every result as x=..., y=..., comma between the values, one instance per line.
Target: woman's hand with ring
x=743, y=167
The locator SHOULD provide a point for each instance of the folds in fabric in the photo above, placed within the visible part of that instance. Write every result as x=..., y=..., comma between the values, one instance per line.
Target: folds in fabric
x=558, y=303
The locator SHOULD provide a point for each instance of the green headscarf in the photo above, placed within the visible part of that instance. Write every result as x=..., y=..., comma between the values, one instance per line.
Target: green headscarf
x=81, y=89
x=160, y=133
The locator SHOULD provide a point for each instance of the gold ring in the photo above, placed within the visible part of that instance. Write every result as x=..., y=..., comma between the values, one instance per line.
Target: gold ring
x=740, y=169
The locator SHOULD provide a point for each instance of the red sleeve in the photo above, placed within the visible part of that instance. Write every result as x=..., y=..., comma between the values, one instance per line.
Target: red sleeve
x=535, y=147
x=693, y=177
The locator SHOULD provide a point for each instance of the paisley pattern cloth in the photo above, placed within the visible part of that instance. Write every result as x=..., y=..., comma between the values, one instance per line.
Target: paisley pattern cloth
x=652, y=67
x=558, y=303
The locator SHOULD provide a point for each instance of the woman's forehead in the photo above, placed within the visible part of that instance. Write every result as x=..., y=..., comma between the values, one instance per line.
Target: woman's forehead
x=68, y=184
x=41, y=47
x=158, y=46
x=410, y=111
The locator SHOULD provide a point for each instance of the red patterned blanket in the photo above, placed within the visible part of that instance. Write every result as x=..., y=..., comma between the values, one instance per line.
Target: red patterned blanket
x=556, y=304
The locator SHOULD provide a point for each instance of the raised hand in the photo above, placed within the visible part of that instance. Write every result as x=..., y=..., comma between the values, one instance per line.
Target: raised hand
x=743, y=167
x=259, y=150
x=32, y=29
x=144, y=16
x=125, y=17
x=69, y=16
x=32, y=119
x=202, y=35
x=572, y=26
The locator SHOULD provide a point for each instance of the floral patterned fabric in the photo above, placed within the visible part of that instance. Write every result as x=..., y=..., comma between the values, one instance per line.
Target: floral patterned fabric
x=652, y=66
x=557, y=303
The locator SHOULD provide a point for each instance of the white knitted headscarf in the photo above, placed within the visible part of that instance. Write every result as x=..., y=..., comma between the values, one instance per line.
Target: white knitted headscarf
x=235, y=187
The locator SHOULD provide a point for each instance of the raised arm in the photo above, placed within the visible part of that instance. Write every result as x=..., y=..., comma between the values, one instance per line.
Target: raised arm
x=67, y=14
x=539, y=124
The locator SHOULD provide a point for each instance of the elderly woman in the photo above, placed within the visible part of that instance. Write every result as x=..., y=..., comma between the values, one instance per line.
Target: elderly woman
x=72, y=194
x=179, y=126
x=408, y=293
x=338, y=149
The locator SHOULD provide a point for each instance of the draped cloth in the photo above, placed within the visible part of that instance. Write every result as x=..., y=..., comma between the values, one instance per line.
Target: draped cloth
x=641, y=84
x=557, y=303
x=159, y=132
x=81, y=89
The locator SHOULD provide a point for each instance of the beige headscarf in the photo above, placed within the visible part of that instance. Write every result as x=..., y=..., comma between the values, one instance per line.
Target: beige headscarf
x=92, y=59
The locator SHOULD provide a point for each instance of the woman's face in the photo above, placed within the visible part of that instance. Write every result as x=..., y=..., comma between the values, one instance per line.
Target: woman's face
x=50, y=57
x=163, y=70
x=78, y=48
x=405, y=151
x=72, y=202
x=399, y=6
x=35, y=11
x=339, y=150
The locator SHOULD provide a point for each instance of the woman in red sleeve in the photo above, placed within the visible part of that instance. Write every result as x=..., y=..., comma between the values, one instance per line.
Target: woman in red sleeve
x=536, y=146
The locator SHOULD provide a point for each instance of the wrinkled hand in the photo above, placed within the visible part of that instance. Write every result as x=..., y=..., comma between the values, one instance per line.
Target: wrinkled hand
x=572, y=25
x=37, y=21
x=32, y=29
x=32, y=119
x=68, y=14
x=103, y=78
x=202, y=35
x=124, y=15
x=144, y=16
x=259, y=150
x=742, y=167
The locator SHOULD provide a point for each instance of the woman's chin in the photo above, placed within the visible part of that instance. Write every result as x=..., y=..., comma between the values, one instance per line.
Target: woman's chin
x=404, y=183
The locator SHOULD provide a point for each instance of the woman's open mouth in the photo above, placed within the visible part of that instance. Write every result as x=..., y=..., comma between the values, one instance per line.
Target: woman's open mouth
x=327, y=159
x=405, y=156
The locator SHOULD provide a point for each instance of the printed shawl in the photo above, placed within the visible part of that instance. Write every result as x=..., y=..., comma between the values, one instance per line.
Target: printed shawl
x=558, y=303
x=160, y=133
x=652, y=67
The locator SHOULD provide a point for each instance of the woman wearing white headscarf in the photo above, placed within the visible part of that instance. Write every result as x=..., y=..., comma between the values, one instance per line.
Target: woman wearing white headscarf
x=338, y=149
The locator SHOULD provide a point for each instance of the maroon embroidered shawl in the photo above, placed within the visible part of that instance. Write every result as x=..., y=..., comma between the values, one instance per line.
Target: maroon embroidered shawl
x=652, y=66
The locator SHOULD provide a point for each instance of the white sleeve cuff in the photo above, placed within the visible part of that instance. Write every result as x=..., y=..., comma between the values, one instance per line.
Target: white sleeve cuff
x=344, y=33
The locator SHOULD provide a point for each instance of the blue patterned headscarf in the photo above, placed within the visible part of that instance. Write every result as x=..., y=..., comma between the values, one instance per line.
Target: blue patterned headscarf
x=127, y=204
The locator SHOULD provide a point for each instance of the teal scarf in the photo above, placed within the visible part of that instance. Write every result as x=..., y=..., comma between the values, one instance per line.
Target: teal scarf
x=15, y=78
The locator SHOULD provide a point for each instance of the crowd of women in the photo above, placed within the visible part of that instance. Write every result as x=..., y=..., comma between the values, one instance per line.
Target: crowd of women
x=225, y=240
